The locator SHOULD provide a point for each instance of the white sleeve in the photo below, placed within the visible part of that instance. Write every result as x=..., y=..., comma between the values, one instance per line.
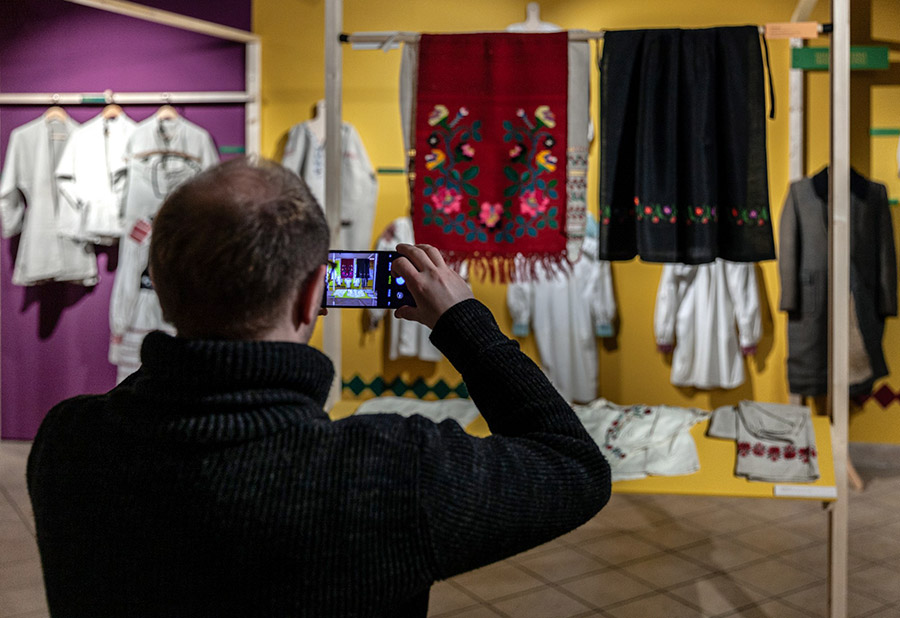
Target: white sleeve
x=359, y=189
x=295, y=150
x=741, y=280
x=126, y=286
x=666, y=311
x=127, y=177
x=209, y=154
x=602, y=299
x=355, y=147
x=72, y=202
x=519, y=298
x=12, y=202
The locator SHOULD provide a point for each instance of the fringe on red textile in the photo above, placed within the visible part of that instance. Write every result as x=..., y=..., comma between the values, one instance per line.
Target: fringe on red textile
x=509, y=268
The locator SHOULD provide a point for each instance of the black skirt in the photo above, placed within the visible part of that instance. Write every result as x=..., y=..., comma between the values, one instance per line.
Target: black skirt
x=683, y=147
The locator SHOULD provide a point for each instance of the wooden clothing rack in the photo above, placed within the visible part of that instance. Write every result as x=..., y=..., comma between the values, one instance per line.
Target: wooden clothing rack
x=839, y=230
x=250, y=97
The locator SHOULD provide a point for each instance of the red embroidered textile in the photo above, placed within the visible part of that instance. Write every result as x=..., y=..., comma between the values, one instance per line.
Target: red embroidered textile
x=490, y=148
x=347, y=268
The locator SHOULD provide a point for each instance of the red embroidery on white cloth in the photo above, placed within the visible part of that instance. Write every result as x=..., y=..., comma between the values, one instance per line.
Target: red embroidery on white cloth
x=775, y=453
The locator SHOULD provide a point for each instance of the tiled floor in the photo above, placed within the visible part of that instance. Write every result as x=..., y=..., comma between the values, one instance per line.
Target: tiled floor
x=642, y=557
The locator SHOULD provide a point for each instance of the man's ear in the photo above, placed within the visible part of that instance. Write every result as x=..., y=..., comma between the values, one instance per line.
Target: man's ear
x=309, y=297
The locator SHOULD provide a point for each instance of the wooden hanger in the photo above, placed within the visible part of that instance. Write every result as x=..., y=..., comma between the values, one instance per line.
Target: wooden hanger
x=166, y=112
x=111, y=111
x=56, y=113
x=167, y=153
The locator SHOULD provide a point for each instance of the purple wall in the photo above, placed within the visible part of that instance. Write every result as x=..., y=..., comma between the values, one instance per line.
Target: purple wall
x=54, y=338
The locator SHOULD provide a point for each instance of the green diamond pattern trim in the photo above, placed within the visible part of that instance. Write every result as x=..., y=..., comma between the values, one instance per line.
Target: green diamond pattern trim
x=356, y=385
x=419, y=387
x=441, y=389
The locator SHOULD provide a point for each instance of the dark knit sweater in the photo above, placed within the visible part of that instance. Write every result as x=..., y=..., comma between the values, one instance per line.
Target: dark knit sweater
x=211, y=483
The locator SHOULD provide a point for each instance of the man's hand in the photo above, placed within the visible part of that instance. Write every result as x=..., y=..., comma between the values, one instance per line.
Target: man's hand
x=434, y=285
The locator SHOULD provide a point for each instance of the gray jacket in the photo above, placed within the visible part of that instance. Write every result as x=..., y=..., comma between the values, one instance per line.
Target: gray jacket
x=803, y=265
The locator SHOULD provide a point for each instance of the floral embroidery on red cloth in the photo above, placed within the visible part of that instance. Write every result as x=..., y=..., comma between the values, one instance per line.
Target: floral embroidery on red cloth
x=346, y=268
x=490, y=135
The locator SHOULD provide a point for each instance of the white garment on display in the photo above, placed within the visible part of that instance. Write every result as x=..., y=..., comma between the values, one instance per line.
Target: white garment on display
x=463, y=411
x=91, y=177
x=161, y=154
x=640, y=441
x=776, y=443
x=29, y=203
x=407, y=338
x=568, y=311
x=710, y=312
x=304, y=155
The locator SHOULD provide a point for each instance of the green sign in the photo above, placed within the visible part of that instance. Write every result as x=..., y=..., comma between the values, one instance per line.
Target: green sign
x=862, y=57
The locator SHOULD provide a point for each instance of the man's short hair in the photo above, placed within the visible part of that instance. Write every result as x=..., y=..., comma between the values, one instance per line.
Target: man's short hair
x=231, y=245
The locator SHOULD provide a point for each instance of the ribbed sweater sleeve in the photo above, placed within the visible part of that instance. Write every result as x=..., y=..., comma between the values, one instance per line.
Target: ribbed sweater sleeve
x=510, y=390
x=536, y=477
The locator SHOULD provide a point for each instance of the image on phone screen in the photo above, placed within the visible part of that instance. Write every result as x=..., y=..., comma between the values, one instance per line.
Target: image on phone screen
x=363, y=279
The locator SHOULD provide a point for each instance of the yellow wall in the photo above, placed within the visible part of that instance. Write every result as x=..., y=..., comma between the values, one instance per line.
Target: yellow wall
x=631, y=370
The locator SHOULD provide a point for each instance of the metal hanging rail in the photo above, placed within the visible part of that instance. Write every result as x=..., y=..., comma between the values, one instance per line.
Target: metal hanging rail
x=123, y=98
x=385, y=40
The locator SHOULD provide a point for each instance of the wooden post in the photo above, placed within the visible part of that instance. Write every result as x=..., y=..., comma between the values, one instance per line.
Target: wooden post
x=839, y=300
x=253, y=107
x=334, y=10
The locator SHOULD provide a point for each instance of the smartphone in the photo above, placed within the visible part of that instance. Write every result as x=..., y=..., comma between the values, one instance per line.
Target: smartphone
x=364, y=279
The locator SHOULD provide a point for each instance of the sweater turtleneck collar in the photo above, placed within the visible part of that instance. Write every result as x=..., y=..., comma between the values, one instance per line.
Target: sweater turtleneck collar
x=194, y=367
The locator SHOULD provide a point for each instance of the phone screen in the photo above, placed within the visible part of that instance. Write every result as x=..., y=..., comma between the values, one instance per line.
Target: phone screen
x=364, y=279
